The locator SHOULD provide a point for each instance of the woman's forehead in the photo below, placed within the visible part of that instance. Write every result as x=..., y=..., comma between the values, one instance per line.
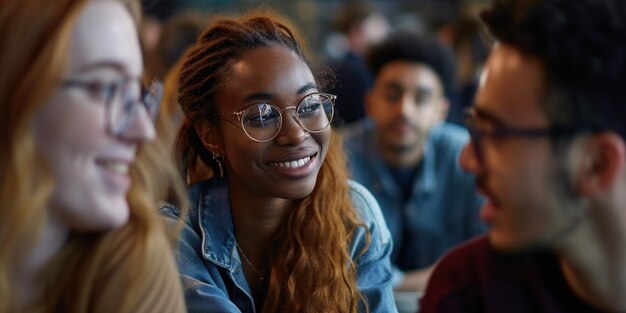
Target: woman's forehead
x=274, y=71
x=266, y=63
x=96, y=37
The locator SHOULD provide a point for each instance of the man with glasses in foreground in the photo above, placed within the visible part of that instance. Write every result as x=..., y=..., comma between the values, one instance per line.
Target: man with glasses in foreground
x=407, y=156
x=548, y=148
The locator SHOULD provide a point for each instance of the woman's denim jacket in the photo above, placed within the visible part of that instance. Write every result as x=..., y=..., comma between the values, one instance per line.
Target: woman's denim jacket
x=210, y=265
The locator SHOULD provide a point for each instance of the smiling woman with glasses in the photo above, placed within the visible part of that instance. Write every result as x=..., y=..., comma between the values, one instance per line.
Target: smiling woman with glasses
x=79, y=230
x=279, y=227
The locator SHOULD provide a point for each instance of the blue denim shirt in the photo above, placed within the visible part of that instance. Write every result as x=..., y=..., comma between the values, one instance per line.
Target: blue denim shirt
x=443, y=207
x=210, y=265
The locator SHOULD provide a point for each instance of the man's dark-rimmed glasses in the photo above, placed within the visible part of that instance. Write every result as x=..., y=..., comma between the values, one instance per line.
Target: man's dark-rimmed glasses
x=498, y=130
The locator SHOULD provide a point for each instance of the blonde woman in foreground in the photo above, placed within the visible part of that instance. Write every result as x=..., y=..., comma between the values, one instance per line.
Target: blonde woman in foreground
x=78, y=226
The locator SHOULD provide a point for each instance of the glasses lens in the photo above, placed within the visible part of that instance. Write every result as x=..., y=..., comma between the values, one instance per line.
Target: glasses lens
x=261, y=122
x=315, y=111
x=120, y=107
x=126, y=101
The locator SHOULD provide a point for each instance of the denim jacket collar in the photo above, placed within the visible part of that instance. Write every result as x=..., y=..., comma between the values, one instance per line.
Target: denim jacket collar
x=218, y=283
x=215, y=222
x=427, y=177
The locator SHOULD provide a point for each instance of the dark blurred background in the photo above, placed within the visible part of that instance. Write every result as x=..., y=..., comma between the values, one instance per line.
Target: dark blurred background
x=315, y=18
x=337, y=34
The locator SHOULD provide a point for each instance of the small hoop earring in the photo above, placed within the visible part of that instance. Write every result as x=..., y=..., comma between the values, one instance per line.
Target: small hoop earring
x=219, y=158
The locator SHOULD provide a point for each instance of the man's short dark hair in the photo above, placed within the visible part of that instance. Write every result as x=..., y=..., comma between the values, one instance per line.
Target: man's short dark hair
x=582, y=46
x=416, y=48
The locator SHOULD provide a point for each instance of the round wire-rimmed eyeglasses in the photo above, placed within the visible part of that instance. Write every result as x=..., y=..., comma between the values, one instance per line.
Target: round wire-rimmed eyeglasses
x=122, y=99
x=263, y=121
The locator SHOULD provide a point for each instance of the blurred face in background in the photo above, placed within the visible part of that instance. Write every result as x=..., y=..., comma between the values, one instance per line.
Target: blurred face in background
x=405, y=103
x=370, y=31
x=89, y=163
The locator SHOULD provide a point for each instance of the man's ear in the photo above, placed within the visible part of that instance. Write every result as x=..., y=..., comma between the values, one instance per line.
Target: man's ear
x=208, y=134
x=603, y=164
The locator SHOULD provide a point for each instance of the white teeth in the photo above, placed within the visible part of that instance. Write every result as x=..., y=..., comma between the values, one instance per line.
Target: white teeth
x=118, y=167
x=292, y=164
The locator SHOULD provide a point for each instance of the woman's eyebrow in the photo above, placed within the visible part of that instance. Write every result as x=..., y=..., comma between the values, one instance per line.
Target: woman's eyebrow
x=307, y=87
x=102, y=64
x=268, y=96
x=258, y=96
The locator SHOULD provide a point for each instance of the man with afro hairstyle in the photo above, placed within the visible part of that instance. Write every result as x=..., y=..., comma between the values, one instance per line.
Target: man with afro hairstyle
x=406, y=155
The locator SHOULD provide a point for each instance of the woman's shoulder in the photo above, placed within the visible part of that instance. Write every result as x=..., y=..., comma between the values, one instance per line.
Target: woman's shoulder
x=368, y=210
x=364, y=202
x=196, y=193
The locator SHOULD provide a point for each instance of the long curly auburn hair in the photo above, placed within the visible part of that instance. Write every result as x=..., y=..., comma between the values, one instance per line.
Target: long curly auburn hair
x=311, y=267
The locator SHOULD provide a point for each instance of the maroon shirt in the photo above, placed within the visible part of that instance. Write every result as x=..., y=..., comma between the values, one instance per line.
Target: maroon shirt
x=475, y=278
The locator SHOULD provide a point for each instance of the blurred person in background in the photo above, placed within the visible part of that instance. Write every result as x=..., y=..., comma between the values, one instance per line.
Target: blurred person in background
x=406, y=155
x=278, y=227
x=175, y=35
x=79, y=229
x=362, y=26
x=549, y=150
x=470, y=44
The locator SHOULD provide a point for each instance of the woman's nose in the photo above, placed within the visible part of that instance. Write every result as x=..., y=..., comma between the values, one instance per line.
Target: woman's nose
x=142, y=127
x=291, y=132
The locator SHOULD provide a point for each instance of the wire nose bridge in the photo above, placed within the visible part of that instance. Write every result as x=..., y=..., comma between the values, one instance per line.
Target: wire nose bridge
x=289, y=108
x=294, y=114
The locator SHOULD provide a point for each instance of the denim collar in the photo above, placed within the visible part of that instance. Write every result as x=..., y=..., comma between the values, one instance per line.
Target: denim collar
x=427, y=178
x=215, y=222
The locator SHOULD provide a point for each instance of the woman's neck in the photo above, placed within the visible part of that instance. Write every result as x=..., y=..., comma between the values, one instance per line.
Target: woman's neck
x=27, y=274
x=257, y=220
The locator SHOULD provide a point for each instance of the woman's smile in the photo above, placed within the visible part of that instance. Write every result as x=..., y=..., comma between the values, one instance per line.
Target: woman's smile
x=298, y=167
